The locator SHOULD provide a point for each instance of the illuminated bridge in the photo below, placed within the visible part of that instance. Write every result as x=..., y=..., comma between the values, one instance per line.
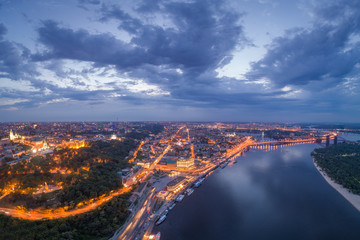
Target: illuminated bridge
x=276, y=143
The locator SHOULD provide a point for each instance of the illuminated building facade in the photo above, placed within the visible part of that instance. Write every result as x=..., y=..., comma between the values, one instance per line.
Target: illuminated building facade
x=176, y=184
x=185, y=163
x=143, y=164
x=75, y=143
x=13, y=136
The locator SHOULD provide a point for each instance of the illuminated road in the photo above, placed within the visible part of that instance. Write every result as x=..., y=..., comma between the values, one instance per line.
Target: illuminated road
x=4, y=195
x=139, y=218
x=136, y=152
x=136, y=226
x=191, y=144
x=55, y=213
x=140, y=226
x=157, y=160
x=144, y=173
x=240, y=147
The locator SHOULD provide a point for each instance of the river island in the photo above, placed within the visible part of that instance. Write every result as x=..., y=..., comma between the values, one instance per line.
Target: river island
x=340, y=167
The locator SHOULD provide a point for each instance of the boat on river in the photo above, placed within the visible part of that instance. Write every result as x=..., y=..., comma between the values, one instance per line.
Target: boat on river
x=161, y=219
x=180, y=198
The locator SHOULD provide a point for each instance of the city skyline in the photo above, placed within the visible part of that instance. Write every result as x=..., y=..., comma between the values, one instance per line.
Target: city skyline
x=272, y=61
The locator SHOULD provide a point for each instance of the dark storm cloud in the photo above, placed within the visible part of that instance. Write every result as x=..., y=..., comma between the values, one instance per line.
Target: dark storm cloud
x=14, y=59
x=180, y=53
x=208, y=91
x=128, y=23
x=167, y=53
x=322, y=53
x=180, y=58
x=202, y=36
x=103, y=49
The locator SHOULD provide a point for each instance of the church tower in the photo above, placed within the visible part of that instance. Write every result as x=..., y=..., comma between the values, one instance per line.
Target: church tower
x=11, y=135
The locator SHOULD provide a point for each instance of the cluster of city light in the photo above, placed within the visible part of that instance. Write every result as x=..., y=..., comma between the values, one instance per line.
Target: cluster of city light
x=77, y=144
x=136, y=151
x=14, y=136
x=14, y=188
x=10, y=188
x=60, y=170
x=240, y=147
x=91, y=204
x=55, y=213
x=269, y=146
x=44, y=147
x=144, y=173
x=237, y=149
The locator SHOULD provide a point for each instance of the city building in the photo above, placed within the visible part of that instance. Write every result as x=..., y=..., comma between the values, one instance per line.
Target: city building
x=75, y=143
x=113, y=137
x=185, y=162
x=176, y=184
x=143, y=164
x=13, y=136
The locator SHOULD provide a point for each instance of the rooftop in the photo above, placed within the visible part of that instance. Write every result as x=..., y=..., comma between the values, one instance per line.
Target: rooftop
x=175, y=181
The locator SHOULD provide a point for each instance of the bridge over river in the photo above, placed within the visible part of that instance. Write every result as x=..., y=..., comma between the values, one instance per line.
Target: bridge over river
x=276, y=143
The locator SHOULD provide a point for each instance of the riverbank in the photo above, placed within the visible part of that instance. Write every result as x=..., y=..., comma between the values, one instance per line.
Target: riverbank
x=354, y=199
x=240, y=198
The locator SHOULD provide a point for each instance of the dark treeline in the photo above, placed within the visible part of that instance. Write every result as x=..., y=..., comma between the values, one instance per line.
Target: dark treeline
x=90, y=172
x=27, y=173
x=142, y=132
x=93, y=172
x=105, y=160
x=341, y=163
x=98, y=224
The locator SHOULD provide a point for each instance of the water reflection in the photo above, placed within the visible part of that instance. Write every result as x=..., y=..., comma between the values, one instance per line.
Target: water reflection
x=266, y=195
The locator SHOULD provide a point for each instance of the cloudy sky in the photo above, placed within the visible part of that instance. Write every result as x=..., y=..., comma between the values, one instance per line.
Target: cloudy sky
x=206, y=60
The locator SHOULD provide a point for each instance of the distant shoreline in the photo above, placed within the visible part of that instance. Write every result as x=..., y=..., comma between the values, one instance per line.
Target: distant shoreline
x=354, y=199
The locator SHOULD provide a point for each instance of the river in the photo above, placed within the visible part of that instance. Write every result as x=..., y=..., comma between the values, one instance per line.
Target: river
x=266, y=195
